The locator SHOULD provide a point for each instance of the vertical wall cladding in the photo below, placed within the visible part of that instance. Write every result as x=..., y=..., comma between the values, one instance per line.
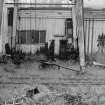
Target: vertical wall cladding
x=50, y=20
x=93, y=28
x=53, y=21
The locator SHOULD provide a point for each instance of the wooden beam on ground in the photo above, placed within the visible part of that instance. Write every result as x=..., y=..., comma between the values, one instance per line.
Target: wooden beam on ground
x=68, y=68
x=98, y=64
x=58, y=65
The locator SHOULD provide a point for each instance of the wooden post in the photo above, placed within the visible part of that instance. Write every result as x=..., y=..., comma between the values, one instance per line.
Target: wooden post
x=74, y=23
x=4, y=29
x=1, y=16
x=1, y=10
x=80, y=31
x=14, y=25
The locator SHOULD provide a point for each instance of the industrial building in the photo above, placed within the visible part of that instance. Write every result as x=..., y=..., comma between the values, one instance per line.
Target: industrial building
x=28, y=25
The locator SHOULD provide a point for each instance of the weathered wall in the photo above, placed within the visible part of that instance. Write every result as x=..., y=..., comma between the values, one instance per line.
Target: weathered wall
x=94, y=26
x=53, y=21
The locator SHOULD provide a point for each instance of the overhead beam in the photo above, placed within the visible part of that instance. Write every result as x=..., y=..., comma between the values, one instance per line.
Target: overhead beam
x=42, y=3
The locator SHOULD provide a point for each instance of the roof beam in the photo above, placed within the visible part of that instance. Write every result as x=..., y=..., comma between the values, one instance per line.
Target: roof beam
x=42, y=3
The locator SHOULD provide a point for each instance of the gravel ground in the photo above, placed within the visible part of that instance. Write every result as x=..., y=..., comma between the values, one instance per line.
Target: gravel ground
x=53, y=83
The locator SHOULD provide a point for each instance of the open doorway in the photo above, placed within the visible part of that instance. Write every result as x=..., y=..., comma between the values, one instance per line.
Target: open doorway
x=69, y=29
x=10, y=26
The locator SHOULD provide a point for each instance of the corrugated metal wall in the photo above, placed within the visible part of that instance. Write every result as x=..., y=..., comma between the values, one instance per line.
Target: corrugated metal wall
x=50, y=20
x=54, y=23
x=93, y=28
x=53, y=26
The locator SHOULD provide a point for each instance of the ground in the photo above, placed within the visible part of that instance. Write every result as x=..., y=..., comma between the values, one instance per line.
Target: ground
x=16, y=80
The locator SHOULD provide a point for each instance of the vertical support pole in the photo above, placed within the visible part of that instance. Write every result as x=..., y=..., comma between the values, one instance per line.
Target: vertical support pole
x=4, y=29
x=1, y=10
x=14, y=25
x=92, y=36
x=1, y=19
x=80, y=32
x=74, y=23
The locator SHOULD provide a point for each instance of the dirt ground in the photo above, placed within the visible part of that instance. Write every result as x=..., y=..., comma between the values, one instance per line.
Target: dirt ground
x=52, y=82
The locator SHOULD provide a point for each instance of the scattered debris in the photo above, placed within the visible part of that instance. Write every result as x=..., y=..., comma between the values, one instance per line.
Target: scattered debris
x=98, y=64
x=44, y=64
x=32, y=92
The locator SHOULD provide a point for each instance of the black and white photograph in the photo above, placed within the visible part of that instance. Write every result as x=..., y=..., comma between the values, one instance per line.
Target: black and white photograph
x=52, y=52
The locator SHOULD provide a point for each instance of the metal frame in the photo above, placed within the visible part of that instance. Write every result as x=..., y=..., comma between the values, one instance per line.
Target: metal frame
x=42, y=3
